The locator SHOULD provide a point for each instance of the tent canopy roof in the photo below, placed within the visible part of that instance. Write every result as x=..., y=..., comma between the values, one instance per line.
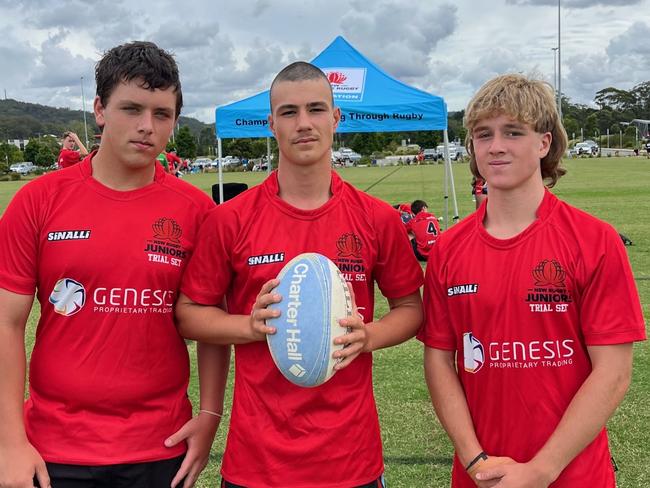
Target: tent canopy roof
x=370, y=100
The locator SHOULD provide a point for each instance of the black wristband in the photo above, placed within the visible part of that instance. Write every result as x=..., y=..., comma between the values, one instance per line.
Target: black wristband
x=481, y=456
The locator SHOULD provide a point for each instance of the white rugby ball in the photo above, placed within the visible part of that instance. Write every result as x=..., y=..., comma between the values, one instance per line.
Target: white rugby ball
x=314, y=297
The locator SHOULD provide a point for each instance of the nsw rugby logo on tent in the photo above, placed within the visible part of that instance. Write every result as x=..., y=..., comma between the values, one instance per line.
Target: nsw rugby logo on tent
x=68, y=296
x=348, y=84
x=473, y=353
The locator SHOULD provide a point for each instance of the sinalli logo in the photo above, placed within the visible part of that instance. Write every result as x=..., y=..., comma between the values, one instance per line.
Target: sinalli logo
x=474, y=354
x=68, y=297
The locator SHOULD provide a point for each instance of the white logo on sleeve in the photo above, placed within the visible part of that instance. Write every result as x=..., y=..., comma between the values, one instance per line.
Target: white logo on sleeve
x=68, y=297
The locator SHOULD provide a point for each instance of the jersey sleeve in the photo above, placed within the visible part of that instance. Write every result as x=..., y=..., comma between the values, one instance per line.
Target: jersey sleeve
x=19, y=237
x=610, y=309
x=436, y=331
x=397, y=272
x=209, y=271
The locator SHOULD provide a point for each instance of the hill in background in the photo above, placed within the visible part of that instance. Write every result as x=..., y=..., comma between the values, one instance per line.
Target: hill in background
x=22, y=120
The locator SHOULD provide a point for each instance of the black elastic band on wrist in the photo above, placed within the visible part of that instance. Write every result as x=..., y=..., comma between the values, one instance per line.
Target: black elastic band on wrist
x=481, y=456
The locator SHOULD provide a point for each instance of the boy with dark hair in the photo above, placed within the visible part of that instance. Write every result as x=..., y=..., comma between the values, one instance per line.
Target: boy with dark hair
x=109, y=372
x=542, y=330
x=425, y=229
x=282, y=435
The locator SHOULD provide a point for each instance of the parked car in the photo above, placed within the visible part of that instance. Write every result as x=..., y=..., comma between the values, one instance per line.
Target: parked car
x=586, y=147
x=23, y=168
x=347, y=155
x=455, y=152
x=260, y=167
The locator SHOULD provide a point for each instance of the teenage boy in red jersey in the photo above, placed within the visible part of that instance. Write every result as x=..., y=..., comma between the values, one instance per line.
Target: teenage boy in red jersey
x=68, y=155
x=109, y=371
x=425, y=229
x=543, y=328
x=282, y=435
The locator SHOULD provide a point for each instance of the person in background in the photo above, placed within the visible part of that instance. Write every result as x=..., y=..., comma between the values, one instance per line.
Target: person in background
x=425, y=229
x=69, y=155
x=479, y=190
x=174, y=162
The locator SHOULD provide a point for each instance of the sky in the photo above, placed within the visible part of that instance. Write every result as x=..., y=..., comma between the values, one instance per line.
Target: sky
x=228, y=50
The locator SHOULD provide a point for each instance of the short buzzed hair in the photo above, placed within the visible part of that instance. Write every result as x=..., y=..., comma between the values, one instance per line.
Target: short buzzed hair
x=299, y=71
x=527, y=100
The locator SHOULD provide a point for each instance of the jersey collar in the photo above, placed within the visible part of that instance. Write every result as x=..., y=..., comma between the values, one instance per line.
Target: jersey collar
x=272, y=190
x=543, y=212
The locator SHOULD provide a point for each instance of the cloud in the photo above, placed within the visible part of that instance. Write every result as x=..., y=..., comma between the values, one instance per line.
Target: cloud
x=191, y=35
x=400, y=39
x=575, y=3
x=57, y=66
x=260, y=7
x=634, y=42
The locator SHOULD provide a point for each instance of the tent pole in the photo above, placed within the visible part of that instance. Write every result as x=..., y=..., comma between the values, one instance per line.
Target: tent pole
x=451, y=180
x=447, y=167
x=268, y=155
x=220, y=170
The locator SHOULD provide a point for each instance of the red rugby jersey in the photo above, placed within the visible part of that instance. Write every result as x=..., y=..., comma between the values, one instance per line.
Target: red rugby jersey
x=520, y=313
x=282, y=435
x=109, y=372
x=68, y=157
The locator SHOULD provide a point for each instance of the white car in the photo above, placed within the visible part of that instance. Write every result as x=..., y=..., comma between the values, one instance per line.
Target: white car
x=587, y=147
x=455, y=152
x=348, y=155
x=22, y=168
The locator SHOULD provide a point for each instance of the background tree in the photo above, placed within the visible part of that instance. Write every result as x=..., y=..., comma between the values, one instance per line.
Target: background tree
x=10, y=154
x=185, y=143
x=45, y=157
x=207, y=141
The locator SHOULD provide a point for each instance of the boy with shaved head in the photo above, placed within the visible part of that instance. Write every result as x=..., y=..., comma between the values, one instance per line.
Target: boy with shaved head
x=282, y=435
x=528, y=354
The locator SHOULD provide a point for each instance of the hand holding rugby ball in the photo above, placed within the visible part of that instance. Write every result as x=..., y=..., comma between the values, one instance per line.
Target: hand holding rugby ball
x=314, y=297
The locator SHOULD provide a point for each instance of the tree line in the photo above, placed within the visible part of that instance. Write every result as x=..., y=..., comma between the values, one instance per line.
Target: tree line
x=42, y=125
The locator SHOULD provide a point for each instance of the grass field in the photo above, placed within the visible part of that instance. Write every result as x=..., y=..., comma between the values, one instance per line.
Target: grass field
x=417, y=452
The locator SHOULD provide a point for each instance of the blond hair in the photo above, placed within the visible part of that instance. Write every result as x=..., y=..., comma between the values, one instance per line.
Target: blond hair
x=529, y=101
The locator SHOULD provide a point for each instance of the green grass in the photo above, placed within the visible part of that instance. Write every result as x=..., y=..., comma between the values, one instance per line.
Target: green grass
x=417, y=451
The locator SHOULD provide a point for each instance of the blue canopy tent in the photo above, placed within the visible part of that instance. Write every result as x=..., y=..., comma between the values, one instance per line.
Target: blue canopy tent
x=370, y=101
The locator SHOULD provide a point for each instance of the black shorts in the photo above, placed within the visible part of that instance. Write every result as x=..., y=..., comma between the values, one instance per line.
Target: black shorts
x=154, y=474
x=378, y=483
